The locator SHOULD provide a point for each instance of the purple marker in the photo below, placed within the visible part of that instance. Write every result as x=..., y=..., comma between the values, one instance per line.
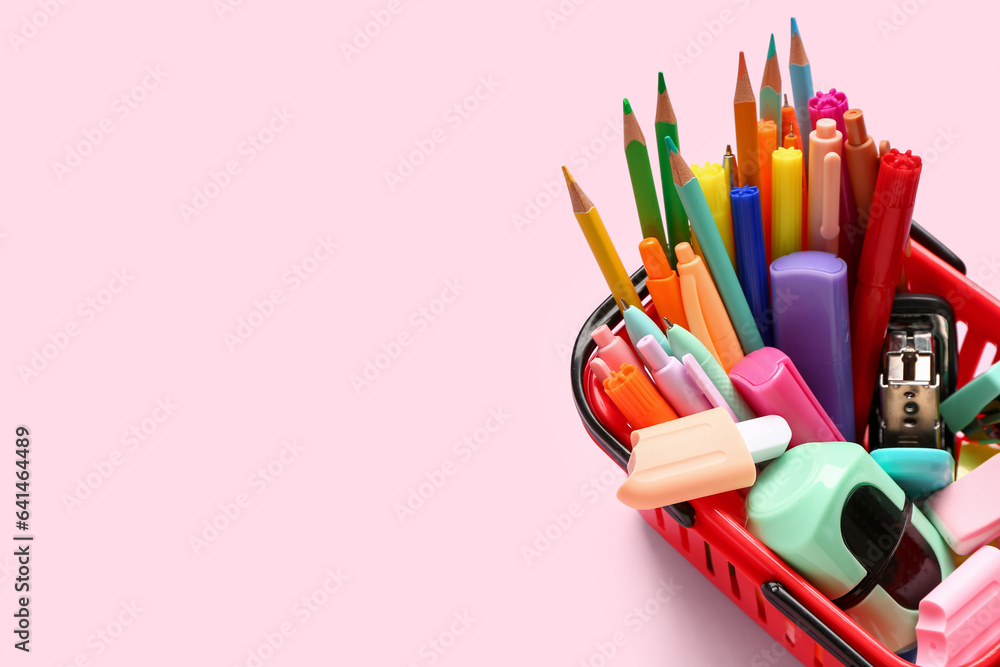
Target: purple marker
x=812, y=326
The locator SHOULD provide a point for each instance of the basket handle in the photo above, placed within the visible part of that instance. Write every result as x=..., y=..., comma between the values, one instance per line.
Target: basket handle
x=608, y=313
x=805, y=620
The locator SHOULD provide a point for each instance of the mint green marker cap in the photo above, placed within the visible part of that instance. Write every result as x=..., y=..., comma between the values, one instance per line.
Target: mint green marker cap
x=962, y=408
x=840, y=521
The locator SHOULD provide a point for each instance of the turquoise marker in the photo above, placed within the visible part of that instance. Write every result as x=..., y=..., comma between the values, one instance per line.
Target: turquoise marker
x=639, y=325
x=684, y=342
x=714, y=250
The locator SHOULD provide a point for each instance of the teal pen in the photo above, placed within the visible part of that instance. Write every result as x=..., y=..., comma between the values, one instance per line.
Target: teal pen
x=716, y=255
x=639, y=325
x=684, y=342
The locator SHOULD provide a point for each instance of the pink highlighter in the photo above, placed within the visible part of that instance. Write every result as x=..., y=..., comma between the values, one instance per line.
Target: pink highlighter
x=960, y=618
x=771, y=385
x=967, y=512
x=612, y=349
x=672, y=379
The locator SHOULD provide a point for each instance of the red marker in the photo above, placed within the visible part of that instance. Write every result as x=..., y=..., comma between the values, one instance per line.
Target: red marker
x=879, y=272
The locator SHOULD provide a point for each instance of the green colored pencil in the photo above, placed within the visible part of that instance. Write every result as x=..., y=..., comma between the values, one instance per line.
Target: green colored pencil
x=643, y=187
x=666, y=126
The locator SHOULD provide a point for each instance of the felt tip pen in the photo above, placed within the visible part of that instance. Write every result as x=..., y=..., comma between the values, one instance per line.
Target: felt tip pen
x=879, y=272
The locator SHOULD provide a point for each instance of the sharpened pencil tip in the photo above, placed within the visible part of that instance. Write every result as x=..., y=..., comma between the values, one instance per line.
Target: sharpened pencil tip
x=567, y=175
x=671, y=146
x=743, y=67
x=795, y=27
x=772, y=52
x=661, y=84
x=628, y=107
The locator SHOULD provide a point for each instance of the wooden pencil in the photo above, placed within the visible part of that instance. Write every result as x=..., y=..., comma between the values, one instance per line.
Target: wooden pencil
x=800, y=73
x=678, y=230
x=641, y=175
x=770, y=87
x=745, y=114
x=617, y=278
x=719, y=265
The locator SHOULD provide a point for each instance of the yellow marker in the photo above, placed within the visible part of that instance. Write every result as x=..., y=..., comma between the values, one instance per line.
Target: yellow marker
x=619, y=282
x=715, y=186
x=786, y=202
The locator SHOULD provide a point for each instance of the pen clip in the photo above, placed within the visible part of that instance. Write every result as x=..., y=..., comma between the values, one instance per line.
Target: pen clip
x=830, y=221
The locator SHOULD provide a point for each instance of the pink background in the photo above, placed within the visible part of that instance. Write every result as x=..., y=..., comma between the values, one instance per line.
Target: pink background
x=485, y=304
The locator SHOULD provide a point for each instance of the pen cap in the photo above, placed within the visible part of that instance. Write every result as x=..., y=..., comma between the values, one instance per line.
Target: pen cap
x=632, y=392
x=769, y=382
x=809, y=291
x=638, y=325
x=662, y=282
x=672, y=379
x=836, y=517
x=809, y=294
x=612, y=349
x=693, y=457
x=962, y=615
x=889, y=219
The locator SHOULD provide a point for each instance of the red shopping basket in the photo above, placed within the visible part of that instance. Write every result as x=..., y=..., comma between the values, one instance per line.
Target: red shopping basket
x=710, y=532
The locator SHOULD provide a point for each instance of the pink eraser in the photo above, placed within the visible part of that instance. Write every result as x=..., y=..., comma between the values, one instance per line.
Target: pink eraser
x=960, y=618
x=967, y=512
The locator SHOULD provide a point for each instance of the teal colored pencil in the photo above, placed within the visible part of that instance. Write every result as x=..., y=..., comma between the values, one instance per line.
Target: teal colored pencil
x=641, y=174
x=714, y=250
x=770, y=89
x=800, y=72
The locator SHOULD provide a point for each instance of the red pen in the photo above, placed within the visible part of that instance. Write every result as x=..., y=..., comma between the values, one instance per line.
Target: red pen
x=879, y=271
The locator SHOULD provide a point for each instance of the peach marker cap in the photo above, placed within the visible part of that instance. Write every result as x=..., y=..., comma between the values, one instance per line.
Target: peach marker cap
x=698, y=287
x=699, y=456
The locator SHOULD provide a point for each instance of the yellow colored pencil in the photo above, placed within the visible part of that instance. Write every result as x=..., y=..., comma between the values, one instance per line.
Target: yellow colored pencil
x=618, y=279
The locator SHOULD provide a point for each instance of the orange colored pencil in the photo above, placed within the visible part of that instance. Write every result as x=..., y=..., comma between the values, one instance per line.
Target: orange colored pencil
x=745, y=114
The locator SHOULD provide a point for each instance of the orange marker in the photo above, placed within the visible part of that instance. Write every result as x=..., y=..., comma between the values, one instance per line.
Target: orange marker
x=632, y=392
x=698, y=291
x=767, y=136
x=662, y=282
